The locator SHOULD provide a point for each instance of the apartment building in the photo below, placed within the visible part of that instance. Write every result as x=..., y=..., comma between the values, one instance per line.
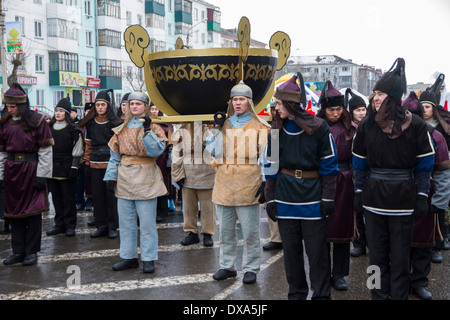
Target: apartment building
x=75, y=48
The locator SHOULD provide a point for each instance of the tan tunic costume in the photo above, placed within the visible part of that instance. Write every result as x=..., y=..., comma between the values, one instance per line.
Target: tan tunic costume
x=238, y=175
x=136, y=169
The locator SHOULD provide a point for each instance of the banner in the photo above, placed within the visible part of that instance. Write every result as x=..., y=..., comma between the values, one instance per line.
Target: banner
x=71, y=79
x=13, y=40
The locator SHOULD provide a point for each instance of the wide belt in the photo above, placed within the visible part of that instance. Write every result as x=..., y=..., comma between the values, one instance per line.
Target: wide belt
x=128, y=160
x=22, y=157
x=390, y=174
x=299, y=174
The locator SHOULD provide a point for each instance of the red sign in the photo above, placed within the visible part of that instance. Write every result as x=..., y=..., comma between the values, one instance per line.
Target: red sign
x=93, y=82
x=27, y=80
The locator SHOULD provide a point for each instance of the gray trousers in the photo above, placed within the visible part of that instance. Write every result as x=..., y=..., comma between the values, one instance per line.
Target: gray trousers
x=249, y=217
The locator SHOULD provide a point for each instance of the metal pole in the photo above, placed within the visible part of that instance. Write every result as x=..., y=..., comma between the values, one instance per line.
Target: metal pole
x=3, y=49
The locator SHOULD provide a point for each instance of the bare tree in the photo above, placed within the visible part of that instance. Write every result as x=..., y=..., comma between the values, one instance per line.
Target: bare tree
x=17, y=60
x=134, y=77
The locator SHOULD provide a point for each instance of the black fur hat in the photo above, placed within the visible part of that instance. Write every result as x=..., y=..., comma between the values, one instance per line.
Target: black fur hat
x=393, y=82
x=64, y=103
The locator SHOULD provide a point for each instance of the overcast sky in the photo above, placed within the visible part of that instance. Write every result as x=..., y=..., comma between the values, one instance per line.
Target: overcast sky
x=373, y=32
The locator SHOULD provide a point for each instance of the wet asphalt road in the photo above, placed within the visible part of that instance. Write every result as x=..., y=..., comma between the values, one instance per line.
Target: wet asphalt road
x=80, y=268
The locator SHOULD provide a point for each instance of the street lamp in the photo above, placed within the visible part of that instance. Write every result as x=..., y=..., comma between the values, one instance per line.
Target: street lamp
x=189, y=31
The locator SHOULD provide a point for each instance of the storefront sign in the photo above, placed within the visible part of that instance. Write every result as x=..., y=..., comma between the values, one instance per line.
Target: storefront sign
x=27, y=80
x=93, y=82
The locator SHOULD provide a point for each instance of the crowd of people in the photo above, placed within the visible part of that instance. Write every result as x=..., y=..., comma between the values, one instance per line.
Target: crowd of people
x=375, y=175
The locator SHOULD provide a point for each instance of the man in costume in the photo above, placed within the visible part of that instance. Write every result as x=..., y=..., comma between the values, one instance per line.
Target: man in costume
x=134, y=175
x=236, y=149
x=393, y=157
x=25, y=164
x=300, y=189
x=425, y=227
x=99, y=123
x=340, y=225
x=67, y=152
x=194, y=173
x=358, y=110
x=439, y=119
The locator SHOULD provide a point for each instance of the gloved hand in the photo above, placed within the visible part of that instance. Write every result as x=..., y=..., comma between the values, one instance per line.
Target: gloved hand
x=358, y=203
x=87, y=172
x=327, y=208
x=435, y=209
x=39, y=183
x=147, y=123
x=110, y=184
x=73, y=174
x=180, y=182
x=219, y=118
x=260, y=193
x=421, y=208
x=271, y=209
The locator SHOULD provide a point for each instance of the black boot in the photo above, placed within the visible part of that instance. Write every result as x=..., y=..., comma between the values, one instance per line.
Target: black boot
x=126, y=264
x=190, y=239
x=149, y=266
x=13, y=259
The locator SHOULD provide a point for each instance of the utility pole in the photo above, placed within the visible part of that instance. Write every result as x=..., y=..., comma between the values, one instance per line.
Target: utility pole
x=3, y=49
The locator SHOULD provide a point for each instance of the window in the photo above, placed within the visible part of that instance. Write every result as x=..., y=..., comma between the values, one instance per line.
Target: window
x=156, y=45
x=58, y=95
x=109, y=8
x=89, y=38
x=344, y=68
x=71, y=3
x=38, y=29
x=62, y=28
x=89, y=68
x=128, y=18
x=139, y=19
x=110, y=68
x=183, y=5
x=39, y=63
x=87, y=7
x=40, y=98
x=154, y=20
x=22, y=24
x=63, y=61
x=109, y=38
x=169, y=5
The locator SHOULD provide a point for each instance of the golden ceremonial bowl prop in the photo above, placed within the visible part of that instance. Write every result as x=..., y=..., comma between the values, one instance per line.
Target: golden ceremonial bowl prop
x=197, y=82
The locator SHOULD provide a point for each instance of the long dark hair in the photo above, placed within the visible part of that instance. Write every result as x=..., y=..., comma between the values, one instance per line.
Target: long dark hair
x=110, y=114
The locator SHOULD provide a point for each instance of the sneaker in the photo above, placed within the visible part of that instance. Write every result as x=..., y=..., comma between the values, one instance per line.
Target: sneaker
x=190, y=239
x=436, y=256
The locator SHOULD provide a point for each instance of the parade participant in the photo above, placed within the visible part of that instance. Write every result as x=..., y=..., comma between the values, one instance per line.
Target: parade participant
x=67, y=152
x=358, y=110
x=340, y=225
x=193, y=171
x=74, y=115
x=137, y=180
x=300, y=189
x=163, y=162
x=437, y=118
x=123, y=106
x=84, y=190
x=424, y=227
x=356, y=106
x=99, y=123
x=275, y=242
x=392, y=148
x=25, y=164
x=236, y=149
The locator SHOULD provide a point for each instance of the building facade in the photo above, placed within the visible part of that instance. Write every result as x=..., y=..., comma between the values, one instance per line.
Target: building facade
x=75, y=48
x=341, y=72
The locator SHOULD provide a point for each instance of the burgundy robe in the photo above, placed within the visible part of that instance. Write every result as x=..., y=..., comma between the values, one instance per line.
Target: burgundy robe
x=20, y=199
x=341, y=224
